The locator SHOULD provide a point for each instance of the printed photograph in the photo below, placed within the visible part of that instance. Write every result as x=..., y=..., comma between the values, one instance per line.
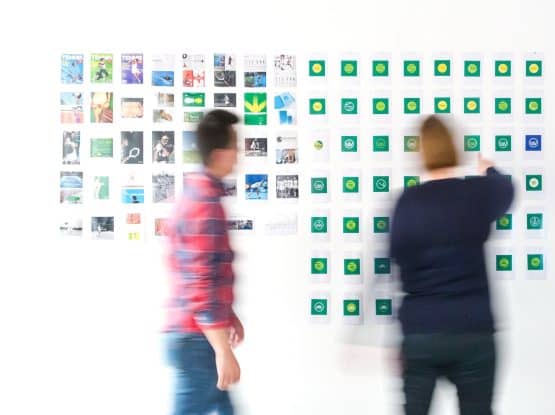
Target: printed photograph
x=165, y=100
x=162, y=116
x=240, y=224
x=71, y=107
x=102, y=148
x=286, y=149
x=225, y=100
x=194, y=70
x=132, y=189
x=102, y=107
x=163, y=144
x=256, y=147
x=224, y=70
x=285, y=71
x=101, y=188
x=190, y=149
x=132, y=107
x=256, y=187
x=131, y=147
x=72, y=68
x=230, y=187
x=71, y=146
x=255, y=71
x=102, y=68
x=287, y=186
x=160, y=225
x=132, y=68
x=163, y=70
x=286, y=108
x=71, y=187
x=133, y=218
x=163, y=188
x=102, y=227
x=71, y=226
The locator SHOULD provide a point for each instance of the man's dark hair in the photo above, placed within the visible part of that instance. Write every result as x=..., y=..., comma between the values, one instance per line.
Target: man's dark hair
x=214, y=132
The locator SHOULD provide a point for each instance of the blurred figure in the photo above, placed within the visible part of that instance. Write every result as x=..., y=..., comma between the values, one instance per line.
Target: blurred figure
x=202, y=326
x=437, y=238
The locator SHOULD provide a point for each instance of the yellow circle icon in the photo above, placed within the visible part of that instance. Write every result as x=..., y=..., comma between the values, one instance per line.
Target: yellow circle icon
x=352, y=266
x=442, y=105
x=534, y=68
x=535, y=262
x=442, y=68
x=349, y=68
x=533, y=106
x=317, y=68
x=317, y=106
x=380, y=106
x=351, y=225
x=504, y=263
x=380, y=68
x=351, y=307
x=411, y=106
x=472, y=68
x=198, y=100
x=503, y=68
x=472, y=105
x=411, y=68
x=318, y=144
x=503, y=105
x=319, y=266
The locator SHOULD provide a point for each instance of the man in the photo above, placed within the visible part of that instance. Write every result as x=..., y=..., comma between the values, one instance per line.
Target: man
x=202, y=327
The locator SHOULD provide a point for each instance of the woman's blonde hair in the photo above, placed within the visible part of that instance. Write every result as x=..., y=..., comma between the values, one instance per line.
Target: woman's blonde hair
x=437, y=146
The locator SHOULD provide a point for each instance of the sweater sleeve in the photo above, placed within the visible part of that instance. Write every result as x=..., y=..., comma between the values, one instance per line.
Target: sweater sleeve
x=499, y=193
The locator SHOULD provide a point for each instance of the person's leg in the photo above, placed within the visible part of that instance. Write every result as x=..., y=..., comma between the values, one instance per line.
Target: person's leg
x=473, y=373
x=223, y=404
x=195, y=373
x=419, y=374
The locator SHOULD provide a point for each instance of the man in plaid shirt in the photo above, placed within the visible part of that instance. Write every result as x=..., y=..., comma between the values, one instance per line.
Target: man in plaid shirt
x=202, y=328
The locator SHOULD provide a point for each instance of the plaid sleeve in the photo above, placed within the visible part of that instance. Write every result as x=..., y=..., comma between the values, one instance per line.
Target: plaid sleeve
x=202, y=261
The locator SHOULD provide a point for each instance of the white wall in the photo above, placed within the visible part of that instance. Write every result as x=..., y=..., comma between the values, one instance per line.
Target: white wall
x=80, y=319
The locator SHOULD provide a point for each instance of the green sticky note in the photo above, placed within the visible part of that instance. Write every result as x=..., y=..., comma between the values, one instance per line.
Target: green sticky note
x=412, y=105
x=411, y=181
x=319, y=306
x=384, y=307
x=351, y=307
x=534, y=221
x=350, y=184
x=317, y=106
x=319, y=224
x=472, y=105
x=351, y=266
x=411, y=68
x=472, y=68
x=503, y=143
x=380, y=184
x=380, y=143
x=319, y=185
x=381, y=224
x=382, y=266
x=349, y=68
x=534, y=68
x=471, y=143
x=411, y=143
x=318, y=265
x=442, y=105
x=502, y=105
x=504, y=223
x=502, y=68
x=535, y=262
x=351, y=224
x=504, y=262
x=533, y=105
x=380, y=106
x=349, y=143
x=533, y=182
x=380, y=68
x=442, y=67
x=317, y=68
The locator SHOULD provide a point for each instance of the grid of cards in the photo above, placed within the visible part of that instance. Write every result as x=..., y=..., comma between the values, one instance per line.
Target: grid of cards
x=335, y=134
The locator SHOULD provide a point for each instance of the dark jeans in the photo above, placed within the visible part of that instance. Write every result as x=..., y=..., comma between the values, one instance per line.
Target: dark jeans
x=195, y=376
x=467, y=360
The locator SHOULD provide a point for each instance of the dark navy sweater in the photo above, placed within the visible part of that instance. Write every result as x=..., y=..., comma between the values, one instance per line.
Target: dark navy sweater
x=438, y=233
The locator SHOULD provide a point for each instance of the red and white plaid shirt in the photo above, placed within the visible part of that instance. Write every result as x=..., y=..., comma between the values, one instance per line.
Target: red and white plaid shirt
x=200, y=258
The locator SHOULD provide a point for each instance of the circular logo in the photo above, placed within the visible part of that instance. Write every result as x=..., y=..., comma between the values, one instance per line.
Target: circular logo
x=503, y=105
x=380, y=106
x=411, y=144
x=349, y=106
x=504, y=263
x=472, y=143
x=533, y=106
x=318, y=225
x=316, y=67
x=350, y=184
x=319, y=307
x=534, y=68
x=533, y=142
x=472, y=105
x=349, y=68
x=503, y=68
x=318, y=144
x=317, y=106
x=534, y=182
x=318, y=185
x=411, y=105
x=351, y=307
x=472, y=68
x=411, y=68
x=349, y=143
x=504, y=221
x=381, y=184
x=535, y=221
x=352, y=266
x=442, y=68
x=319, y=265
x=442, y=105
x=503, y=142
x=351, y=225
x=412, y=182
x=381, y=225
x=380, y=143
x=380, y=68
x=535, y=262
x=198, y=100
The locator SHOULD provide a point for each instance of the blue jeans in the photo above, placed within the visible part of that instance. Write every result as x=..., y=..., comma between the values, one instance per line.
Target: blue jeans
x=195, y=376
x=466, y=360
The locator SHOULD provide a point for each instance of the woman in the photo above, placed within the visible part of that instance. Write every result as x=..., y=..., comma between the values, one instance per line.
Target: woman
x=437, y=238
